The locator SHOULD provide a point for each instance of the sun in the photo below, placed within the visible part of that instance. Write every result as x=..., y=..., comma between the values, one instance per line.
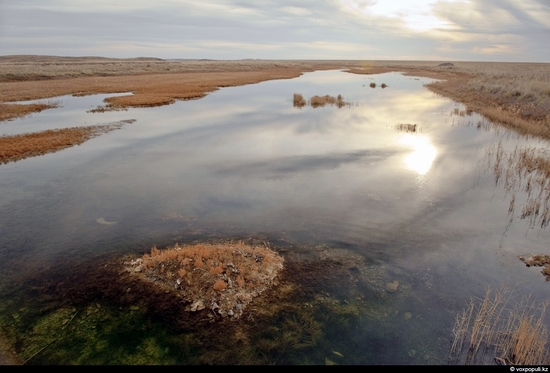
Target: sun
x=415, y=15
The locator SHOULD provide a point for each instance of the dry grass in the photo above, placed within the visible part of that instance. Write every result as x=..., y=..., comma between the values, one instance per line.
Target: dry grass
x=14, y=148
x=538, y=261
x=222, y=278
x=516, y=95
x=30, y=68
x=10, y=111
x=491, y=331
x=153, y=82
x=407, y=127
x=298, y=100
x=513, y=94
x=319, y=101
x=526, y=170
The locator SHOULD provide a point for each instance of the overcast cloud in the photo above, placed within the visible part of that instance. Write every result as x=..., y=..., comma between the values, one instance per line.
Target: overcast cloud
x=490, y=30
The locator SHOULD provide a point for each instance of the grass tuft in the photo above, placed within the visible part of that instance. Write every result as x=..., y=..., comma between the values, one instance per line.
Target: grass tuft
x=492, y=331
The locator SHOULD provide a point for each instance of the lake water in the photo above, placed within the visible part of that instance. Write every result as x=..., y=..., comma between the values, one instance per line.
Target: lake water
x=346, y=185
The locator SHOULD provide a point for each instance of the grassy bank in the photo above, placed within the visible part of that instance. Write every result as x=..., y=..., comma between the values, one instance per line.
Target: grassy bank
x=516, y=95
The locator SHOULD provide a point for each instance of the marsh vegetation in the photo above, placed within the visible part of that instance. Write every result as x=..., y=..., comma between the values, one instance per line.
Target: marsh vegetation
x=319, y=101
x=495, y=330
x=325, y=189
x=223, y=279
x=17, y=147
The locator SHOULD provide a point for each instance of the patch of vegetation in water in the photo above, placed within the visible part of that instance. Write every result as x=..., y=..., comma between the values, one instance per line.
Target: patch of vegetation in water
x=330, y=307
x=95, y=334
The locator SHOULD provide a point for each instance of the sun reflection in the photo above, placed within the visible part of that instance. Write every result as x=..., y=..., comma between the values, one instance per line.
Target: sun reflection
x=423, y=154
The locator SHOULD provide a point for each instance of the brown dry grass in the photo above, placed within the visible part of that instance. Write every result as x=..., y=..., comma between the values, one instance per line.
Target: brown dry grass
x=526, y=170
x=153, y=82
x=491, y=331
x=14, y=148
x=223, y=278
x=319, y=101
x=516, y=95
x=10, y=111
x=513, y=94
x=407, y=127
x=298, y=100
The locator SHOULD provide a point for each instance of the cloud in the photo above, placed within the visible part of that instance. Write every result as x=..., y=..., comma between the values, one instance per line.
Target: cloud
x=497, y=27
x=335, y=29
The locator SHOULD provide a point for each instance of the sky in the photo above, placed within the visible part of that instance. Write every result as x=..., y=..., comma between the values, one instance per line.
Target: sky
x=443, y=30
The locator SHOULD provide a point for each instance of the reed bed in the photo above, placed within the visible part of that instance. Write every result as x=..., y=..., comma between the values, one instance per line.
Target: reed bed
x=153, y=82
x=407, y=127
x=14, y=148
x=299, y=100
x=493, y=331
x=516, y=95
x=527, y=170
x=10, y=111
x=319, y=101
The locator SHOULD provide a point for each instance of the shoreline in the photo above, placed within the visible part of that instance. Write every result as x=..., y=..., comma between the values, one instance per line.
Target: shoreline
x=515, y=95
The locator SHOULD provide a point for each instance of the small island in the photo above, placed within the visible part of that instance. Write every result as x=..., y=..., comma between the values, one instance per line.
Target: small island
x=223, y=278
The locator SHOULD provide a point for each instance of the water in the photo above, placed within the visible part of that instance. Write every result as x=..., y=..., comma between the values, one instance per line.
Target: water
x=354, y=202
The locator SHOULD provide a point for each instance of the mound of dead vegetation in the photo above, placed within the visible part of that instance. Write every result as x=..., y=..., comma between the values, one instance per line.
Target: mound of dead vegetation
x=538, y=261
x=221, y=278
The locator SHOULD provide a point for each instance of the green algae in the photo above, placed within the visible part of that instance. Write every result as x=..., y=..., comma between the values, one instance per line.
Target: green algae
x=94, y=334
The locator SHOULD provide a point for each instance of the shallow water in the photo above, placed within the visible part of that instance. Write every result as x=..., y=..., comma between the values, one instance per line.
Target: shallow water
x=421, y=208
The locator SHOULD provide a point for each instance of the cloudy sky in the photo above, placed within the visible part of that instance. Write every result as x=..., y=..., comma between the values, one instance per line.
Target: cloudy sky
x=479, y=30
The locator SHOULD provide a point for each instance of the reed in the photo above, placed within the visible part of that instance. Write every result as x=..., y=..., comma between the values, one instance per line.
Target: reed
x=318, y=101
x=11, y=111
x=407, y=127
x=298, y=100
x=525, y=169
x=18, y=147
x=492, y=331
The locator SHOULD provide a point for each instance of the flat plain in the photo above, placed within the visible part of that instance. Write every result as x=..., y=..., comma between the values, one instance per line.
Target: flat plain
x=516, y=95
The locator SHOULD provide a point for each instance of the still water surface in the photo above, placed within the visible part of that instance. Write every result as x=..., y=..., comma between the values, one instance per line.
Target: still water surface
x=421, y=208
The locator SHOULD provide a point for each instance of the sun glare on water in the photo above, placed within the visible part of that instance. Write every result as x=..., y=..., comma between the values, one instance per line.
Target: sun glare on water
x=421, y=158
